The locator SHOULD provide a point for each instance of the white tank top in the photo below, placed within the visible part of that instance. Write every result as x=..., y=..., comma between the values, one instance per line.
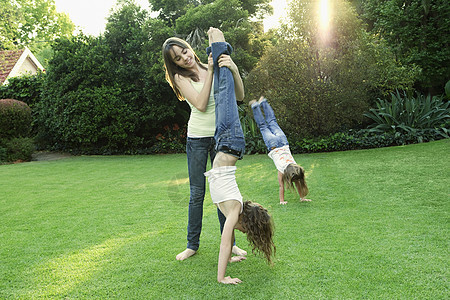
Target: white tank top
x=202, y=124
x=282, y=157
x=223, y=185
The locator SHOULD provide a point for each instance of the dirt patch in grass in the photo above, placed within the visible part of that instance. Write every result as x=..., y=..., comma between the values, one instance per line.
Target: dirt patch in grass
x=46, y=155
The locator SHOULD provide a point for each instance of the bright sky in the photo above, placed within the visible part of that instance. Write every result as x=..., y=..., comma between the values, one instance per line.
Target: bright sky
x=91, y=15
x=279, y=11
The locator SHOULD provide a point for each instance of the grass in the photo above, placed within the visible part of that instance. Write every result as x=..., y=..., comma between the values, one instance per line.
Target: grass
x=109, y=227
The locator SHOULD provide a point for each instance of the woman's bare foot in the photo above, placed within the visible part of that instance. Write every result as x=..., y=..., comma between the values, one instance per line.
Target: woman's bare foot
x=186, y=254
x=238, y=251
x=283, y=202
x=305, y=200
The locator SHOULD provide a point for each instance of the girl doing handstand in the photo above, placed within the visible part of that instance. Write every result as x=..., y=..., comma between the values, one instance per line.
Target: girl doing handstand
x=289, y=172
x=250, y=218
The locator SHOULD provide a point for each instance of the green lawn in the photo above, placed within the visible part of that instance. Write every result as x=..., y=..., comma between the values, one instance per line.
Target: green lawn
x=102, y=227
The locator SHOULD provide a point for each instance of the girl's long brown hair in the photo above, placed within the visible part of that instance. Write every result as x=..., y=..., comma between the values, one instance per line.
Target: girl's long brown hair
x=258, y=226
x=293, y=173
x=171, y=68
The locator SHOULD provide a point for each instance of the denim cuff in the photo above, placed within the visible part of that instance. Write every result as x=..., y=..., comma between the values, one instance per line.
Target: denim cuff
x=233, y=152
x=254, y=105
x=218, y=49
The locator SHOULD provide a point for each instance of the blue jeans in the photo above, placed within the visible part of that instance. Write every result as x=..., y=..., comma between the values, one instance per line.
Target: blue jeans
x=229, y=135
x=197, y=150
x=272, y=134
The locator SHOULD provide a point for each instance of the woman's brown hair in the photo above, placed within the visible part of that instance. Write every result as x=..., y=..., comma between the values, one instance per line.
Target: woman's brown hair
x=293, y=173
x=258, y=226
x=171, y=68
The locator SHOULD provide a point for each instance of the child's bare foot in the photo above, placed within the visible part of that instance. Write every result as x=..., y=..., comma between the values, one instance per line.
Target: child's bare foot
x=186, y=254
x=238, y=251
x=283, y=202
x=215, y=35
x=251, y=102
x=237, y=259
x=261, y=99
x=305, y=200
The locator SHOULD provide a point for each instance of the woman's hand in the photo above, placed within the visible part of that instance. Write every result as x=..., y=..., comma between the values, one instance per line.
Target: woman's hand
x=229, y=280
x=210, y=63
x=226, y=61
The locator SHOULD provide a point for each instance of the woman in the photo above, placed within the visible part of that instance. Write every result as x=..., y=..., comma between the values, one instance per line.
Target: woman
x=192, y=80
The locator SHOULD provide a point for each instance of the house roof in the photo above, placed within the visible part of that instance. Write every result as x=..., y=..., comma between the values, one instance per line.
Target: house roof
x=12, y=60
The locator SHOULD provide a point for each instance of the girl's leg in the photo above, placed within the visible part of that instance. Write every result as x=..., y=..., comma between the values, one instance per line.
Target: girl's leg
x=272, y=123
x=269, y=138
x=229, y=135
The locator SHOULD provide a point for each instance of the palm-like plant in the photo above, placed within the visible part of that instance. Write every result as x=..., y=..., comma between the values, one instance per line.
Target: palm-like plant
x=405, y=114
x=254, y=142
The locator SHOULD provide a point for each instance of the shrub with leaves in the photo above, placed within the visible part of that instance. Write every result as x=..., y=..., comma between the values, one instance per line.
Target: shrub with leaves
x=26, y=88
x=404, y=114
x=15, y=119
x=254, y=142
x=172, y=140
x=360, y=139
x=17, y=149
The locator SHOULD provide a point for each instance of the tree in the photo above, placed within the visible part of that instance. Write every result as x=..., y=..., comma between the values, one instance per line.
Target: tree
x=101, y=95
x=10, y=18
x=419, y=34
x=32, y=23
x=322, y=81
x=135, y=46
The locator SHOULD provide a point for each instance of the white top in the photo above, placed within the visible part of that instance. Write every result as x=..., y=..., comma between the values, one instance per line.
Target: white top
x=282, y=157
x=223, y=185
x=202, y=124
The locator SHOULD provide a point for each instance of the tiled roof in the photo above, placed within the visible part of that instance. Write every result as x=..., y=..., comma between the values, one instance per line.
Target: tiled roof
x=8, y=59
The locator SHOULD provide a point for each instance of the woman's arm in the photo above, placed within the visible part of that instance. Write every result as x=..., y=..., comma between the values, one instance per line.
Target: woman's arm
x=198, y=100
x=226, y=61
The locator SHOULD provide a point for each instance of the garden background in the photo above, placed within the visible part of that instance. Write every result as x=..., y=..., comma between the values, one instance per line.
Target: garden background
x=383, y=64
x=108, y=221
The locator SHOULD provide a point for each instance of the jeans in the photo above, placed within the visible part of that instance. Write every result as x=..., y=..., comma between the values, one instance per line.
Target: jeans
x=229, y=135
x=197, y=150
x=272, y=134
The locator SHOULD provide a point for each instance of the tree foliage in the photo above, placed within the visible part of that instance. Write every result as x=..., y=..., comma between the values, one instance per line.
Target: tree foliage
x=321, y=82
x=419, y=34
x=97, y=98
x=32, y=23
x=28, y=22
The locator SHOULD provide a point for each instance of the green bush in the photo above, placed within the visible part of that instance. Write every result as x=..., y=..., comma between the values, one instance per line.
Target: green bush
x=404, y=114
x=447, y=89
x=15, y=119
x=254, y=142
x=17, y=149
x=360, y=139
x=319, y=87
x=171, y=140
x=26, y=88
x=3, y=156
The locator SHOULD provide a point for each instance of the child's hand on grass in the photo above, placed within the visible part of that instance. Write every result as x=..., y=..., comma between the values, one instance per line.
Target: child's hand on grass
x=229, y=280
x=237, y=258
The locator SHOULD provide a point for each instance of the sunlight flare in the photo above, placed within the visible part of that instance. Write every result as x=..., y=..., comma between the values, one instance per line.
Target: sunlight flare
x=324, y=15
